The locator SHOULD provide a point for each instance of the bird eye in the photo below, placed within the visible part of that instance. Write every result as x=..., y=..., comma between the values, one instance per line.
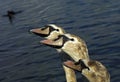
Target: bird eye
x=72, y=39
x=57, y=29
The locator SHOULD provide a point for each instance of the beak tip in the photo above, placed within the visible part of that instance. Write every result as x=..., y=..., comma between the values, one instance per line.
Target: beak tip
x=44, y=41
x=31, y=30
x=41, y=41
x=47, y=42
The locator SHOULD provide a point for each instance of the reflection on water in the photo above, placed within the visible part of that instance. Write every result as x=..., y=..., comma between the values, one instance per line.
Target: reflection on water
x=24, y=59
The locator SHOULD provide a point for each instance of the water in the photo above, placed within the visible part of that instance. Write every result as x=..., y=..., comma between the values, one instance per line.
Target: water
x=24, y=59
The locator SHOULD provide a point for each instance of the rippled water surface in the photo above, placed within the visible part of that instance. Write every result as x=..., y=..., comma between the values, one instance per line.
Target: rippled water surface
x=24, y=59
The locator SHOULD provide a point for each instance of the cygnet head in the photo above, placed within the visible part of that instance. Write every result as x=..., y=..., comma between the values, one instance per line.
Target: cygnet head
x=93, y=70
x=50, y=31
x=73, y=45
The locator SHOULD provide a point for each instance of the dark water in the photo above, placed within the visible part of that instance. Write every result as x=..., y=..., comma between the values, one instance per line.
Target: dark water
x=24, y=59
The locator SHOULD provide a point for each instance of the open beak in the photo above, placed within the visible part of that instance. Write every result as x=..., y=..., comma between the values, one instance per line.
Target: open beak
x=43, y=32
x=53, y=43
x=71, y=64
x=79, y=66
